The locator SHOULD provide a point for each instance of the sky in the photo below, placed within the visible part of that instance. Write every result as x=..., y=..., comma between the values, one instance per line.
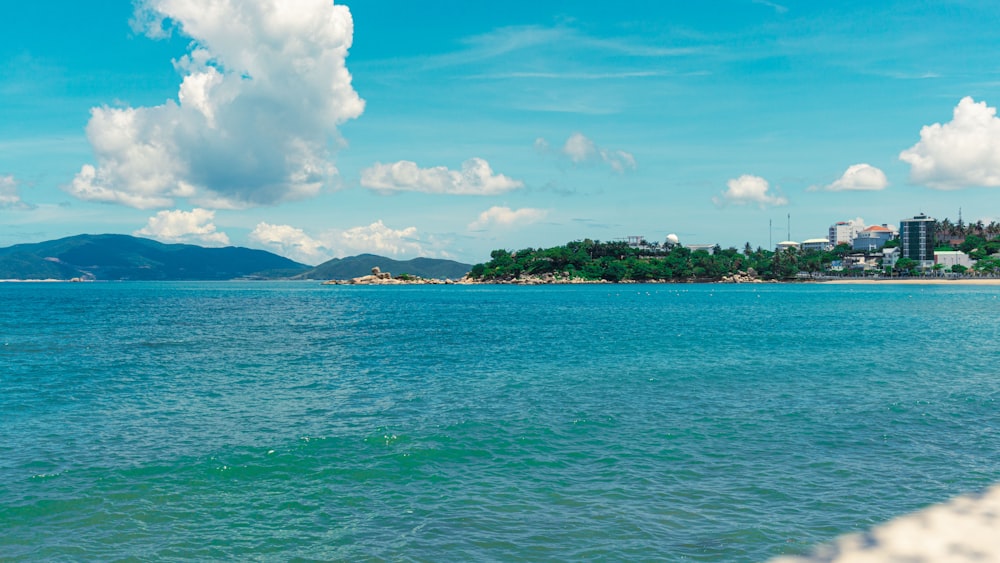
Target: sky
x=448, y=129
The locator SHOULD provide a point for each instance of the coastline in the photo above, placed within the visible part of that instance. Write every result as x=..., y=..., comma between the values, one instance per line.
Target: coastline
x=918, y=281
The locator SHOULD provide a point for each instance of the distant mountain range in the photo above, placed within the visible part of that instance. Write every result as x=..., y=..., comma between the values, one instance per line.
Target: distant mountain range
x=362, y=264
x=124, y=257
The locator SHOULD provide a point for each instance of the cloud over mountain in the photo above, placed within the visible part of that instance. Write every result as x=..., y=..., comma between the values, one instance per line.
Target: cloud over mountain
x=965, y=152
x=475, y=178
x=264, y=88
x=375, y=238
x=380, y=239
x=194, y=227
x=291, y=242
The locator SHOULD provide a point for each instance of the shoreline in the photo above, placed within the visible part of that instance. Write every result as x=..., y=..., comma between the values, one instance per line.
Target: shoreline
x=918, y=281
x=579, y=281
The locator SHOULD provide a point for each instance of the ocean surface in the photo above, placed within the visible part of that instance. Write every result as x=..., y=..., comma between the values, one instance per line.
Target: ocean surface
x=294, y=421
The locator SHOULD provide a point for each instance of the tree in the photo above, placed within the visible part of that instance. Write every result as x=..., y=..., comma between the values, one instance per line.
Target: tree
x=906, y=265
x=842, y=249
x=988, y=265
x=972, y=242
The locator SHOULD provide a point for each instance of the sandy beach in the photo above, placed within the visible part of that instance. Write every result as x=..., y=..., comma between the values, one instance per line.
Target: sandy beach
x=918, y=281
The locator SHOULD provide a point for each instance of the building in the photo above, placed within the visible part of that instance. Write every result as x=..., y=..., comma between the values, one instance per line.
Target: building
x=843, y=232
x=709, y=248
x=949, y=258
x=860, y=262
x=872, y=238
x=889, y=257
x=786, y=244
x=817, y=244
x=916, y=239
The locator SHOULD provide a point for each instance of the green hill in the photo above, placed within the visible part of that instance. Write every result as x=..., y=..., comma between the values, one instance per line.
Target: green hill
x=361, y=265
x=124, y=257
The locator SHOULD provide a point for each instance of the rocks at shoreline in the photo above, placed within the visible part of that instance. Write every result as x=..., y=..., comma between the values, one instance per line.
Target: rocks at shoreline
x=378, y=277
x=563, y=278
x=742, y=277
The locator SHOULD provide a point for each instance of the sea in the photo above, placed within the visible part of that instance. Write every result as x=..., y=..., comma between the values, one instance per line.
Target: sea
x=291, y=421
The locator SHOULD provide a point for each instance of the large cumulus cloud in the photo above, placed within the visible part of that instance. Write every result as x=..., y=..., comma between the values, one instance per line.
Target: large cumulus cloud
x=964, y=152
x=264, y=88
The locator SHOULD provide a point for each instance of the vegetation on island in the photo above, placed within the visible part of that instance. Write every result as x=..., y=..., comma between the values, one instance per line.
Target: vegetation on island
x=618, y=261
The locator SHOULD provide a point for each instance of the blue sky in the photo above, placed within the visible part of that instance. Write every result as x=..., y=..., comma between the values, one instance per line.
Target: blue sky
x=450, y=128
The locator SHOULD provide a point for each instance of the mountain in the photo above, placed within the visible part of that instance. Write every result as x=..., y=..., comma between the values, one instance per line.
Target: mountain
x=123, y=257
x=362, y=264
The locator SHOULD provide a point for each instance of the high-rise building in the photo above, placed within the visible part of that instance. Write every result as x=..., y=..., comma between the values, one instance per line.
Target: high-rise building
x=916, y=237
x=844, y=231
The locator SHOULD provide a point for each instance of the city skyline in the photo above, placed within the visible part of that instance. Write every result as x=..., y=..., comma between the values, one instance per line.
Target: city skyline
x=318, y=130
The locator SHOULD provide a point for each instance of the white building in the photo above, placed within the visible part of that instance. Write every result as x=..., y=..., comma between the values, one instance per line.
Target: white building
x=889, y=257
x=844, y=231
x=949, y=258
x=818, y=244
x=709, y=248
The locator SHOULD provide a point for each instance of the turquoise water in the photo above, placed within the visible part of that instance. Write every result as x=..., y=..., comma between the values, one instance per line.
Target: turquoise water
x=277, y=421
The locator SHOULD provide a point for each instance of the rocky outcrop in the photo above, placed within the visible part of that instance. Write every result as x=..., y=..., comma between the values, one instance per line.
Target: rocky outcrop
x=562, y=278
x=742, y=277
x=378, y=277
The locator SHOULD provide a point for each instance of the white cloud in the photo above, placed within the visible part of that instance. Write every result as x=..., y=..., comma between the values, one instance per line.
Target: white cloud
x=379, y=239
x=505, y=217
x=376, y=238
x=193, y=226
x=860, y=177
x=9, y=196
x=476, y=178
x=291, y=242
x=748, y=189
x=580, y=149
x=264, y=88
x=964, y=152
